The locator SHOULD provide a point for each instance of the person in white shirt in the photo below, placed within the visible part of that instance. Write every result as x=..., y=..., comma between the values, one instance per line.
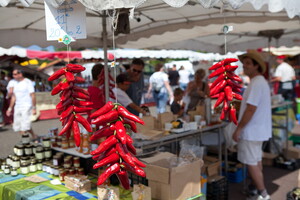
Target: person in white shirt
x=24, y=103
x=184, y=78
x=122, y=97
x=160, y=88
x=255, y=124
x=285, y=74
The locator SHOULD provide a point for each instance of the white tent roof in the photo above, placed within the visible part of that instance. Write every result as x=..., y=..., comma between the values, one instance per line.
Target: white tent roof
x=191, y=26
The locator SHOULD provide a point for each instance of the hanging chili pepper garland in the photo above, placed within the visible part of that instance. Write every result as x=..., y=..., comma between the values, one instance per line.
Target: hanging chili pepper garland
x=117, y=151
x=102, y=88
x=73, y=100
x=226, y=87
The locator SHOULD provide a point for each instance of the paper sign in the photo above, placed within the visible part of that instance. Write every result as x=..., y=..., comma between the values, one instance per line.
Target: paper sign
x=35, y=179
x=68, y=20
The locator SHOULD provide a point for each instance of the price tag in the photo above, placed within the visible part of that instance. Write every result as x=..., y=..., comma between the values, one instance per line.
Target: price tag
x=68, y=20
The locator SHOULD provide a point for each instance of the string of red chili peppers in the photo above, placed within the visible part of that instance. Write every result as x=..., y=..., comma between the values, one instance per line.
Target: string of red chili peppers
x=225, y=87
x=102, y=88
x=117, y=151
x=73, y=100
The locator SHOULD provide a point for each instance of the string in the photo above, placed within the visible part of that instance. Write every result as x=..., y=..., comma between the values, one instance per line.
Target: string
x=225, y=33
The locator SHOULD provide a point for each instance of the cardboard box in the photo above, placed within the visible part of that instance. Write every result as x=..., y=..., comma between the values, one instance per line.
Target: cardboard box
x=292, y=153
x=296, y=129
x=168, y=182
x=78, y=183
x=163, y=118
x=268, y=159
x=211, y=166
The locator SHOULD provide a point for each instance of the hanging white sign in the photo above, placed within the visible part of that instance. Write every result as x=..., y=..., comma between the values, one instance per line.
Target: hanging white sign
x=66, y=21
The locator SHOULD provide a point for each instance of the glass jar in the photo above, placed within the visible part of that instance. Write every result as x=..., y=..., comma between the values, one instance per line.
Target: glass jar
x=48, y=152
x=24, y=168
x=25, y=139
x=25, y=159
x=58, y=142
x=8, y=160
x=15, y=162
x=67, y=163
x=76, y=162
x=54, y=131
x=44, y=168
x=7, y=170
x=54, y=141
x=28, y=149
x=50, y=169
x=86, y=144
x=3, y=165
x=71, y=143
x=39, y=154
x=14, y=172
x=72, y=171
x=56, y=160
x=19, y=150
x=33, y=166
x=62, y=174
x=64, y=143
x=55, y=171
x=46, y=142
x=39, y=165
x=80, y=171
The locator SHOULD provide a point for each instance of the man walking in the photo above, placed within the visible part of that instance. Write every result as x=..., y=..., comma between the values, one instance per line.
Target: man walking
x=23, y=101
x=254, y=121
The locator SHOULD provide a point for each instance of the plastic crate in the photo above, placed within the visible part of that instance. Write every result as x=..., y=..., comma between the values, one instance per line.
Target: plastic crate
x=217, y=189
x=235, y=177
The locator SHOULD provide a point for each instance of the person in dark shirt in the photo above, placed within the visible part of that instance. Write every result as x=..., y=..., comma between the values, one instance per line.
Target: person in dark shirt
x=177, y=106
x=173, y=77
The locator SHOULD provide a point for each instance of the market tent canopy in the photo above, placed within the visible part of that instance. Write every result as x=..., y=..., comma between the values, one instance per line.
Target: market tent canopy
x=156, y=25
x=293, y=51
x=118, y=54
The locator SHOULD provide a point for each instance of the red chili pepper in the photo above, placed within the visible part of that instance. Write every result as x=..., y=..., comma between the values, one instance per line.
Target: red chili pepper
x=106, y=118
x=233, y=83
x=79, y=79
x=105, y=109
x=69, y=76
x=138, y=171
x=82, y=109
x=103, y=132
x=228, y=93
x=126, y=114
x=237, y=90
x=230, y=60
x=218, y=88
x=217, y=65
x=66, y=85
x=80, y=95
x=113, y=158
x=232, y=114
x=66, y=112
x=223, y=114
x=108, y=172
x=120, y=132
x=237, y=96
x=65, y=103
x=217, y=72
x=131, y=148
x=219, y=79
x=215, y=96
x=65, y=95
x=125, y=155
x=75, y=68
x=76, y=133
x=79, y=89
x=57, y=74
x=68, y=133
x=137, y=162
x=230, y=68
x=104, y=154
x=67, y=125
x=220, y=99
x=82, y=103
x=123, y=178
x=234, y=77
x=131, y=124
x=57, y=89
x=106, y=144
x=128, y=139
x=83, y=122
x=225, y=104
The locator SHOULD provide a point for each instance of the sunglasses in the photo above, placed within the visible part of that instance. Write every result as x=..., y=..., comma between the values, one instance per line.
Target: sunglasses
x=14, y=74
x=137, y=71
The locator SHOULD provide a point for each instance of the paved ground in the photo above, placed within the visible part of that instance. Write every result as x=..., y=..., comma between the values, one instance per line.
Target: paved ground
x=278, y=181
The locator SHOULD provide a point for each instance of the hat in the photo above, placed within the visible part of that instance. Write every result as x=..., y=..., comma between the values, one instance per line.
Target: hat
x=123, y=78
x=282, y=57
x=255, y=56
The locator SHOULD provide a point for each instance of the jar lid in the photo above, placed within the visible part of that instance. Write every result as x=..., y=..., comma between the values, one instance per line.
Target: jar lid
x=33, y=162
x=45, y=139
x=25, y=158
x=47, y=149
x=7, y=167
x=15, y=158
x=14, y=169
x=39, y=161
x=24, y=164
x=25, y=135
x=28, y=146
x=19, y=146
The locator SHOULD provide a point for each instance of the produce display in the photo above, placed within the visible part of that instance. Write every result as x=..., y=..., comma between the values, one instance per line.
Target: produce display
x=116, y=151
x=225, y=88
x=73, y=101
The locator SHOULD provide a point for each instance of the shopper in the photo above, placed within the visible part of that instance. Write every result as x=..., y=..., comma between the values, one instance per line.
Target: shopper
x=285, y=74
x=3, y=84
x=173, y=77
x=197, y=90
x=24, y=104
x=123, y=84
x=136, y=88
x=177, y=106
x=254, y=125
x=160, y=88
x=184, y=77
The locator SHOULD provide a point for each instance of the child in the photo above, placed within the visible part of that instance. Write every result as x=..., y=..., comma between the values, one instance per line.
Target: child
x=177, y=107
x=123, y=84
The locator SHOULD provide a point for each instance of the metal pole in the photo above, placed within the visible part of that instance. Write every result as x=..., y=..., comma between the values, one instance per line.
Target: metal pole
x=104, y=38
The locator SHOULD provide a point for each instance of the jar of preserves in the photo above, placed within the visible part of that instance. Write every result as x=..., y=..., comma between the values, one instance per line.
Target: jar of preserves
x=72, y=171
x=64, y=143
x=71, y=143
x=39, y=154
x=3, y=165
x=19, y=150
x=62, y=174
x=53, y=131
x=46, y=142
x=80, y=171
x=39, y=165
x=24, y=168
x=59, y=140
x=56, y=160
x=9, y=160
x=14, y=172
x=34, y=146
x=48, y=152
x=7, y=170
x=28, y=149
x=76, y=162
x=15, y=162
x=25, y=139
x=54, y=141
x=86, y=144
x=25, y=159
x=33, y=166
x=55, y=171
x=67, y=163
